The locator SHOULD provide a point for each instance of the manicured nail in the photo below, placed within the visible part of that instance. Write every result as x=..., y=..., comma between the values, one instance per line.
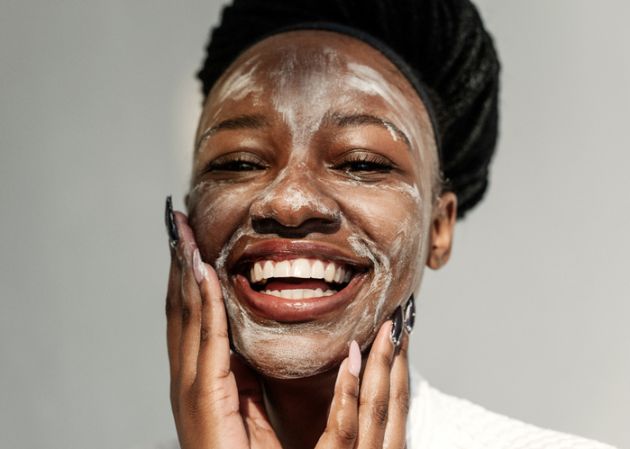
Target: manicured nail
x=199, y=269
x=342, y=367
x=410, y=314
x=354, y=356
x=169, y=220
x=397, y=326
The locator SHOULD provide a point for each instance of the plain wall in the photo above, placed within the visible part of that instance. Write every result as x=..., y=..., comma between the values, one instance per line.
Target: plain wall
x=97, y=111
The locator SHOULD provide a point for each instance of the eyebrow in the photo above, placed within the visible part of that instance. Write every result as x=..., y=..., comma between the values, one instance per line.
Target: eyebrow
x=343, y=120
x=240, y=122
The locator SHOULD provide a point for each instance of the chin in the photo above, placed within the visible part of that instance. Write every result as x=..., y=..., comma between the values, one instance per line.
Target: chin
x=300, y=350
x=288, y=353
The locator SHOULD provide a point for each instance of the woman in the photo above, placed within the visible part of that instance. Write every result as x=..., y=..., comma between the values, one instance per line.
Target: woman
x=338, y=143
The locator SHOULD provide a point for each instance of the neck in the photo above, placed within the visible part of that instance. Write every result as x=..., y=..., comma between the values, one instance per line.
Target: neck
x=298, y=408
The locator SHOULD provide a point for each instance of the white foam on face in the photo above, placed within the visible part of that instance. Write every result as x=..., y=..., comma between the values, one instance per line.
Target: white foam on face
x=382, y=271
x=302, y=97
x=371, y=82
x=241, y=83
x=264, y=343
x=238, y=85
x=303, y=85
x=294, y=187
x=392, y=132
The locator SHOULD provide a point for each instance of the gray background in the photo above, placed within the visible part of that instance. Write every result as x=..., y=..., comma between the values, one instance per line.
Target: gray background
x=97, y=110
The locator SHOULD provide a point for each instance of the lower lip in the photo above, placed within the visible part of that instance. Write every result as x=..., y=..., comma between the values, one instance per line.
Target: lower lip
x=296, y=310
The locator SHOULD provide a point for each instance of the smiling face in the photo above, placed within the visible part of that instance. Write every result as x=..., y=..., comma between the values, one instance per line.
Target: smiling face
x=312, y=194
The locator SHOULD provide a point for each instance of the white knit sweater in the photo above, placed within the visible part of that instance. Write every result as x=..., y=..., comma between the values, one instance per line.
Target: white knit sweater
x=439, y=421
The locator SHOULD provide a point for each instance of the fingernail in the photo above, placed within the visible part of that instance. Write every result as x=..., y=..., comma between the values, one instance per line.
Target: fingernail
x=410, y=314
x=169, y=220
x=354, y=356
x=397, y=326
x=199, y=269
x=342, y=367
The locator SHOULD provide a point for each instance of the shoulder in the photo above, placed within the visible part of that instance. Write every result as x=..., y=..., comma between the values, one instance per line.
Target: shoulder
x=441, y=421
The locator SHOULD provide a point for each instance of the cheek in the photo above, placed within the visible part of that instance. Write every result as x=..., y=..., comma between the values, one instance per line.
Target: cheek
x=387, y=220
x=391, y=216
x=215, y=212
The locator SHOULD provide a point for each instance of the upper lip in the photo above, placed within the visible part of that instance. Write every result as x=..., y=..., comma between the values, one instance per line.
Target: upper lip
x=285, y=249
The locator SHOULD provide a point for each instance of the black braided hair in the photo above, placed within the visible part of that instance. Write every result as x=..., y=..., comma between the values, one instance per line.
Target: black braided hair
x=443, y=42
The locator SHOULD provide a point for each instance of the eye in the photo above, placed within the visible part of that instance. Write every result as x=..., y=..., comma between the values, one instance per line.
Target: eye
x=236, y=163
x=365, y=162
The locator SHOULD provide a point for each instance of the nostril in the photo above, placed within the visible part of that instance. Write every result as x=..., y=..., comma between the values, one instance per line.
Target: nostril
x=309, y=226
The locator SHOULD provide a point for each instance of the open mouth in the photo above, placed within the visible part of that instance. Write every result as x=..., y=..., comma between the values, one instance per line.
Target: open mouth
x=298, y=290
x=297, y=281
x=299, y=278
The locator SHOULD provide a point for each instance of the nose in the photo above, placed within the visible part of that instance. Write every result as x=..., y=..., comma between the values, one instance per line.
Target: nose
x=294, y=206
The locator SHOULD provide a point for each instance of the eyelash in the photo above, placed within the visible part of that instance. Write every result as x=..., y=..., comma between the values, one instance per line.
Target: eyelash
x=238, y=163
x=363, y=162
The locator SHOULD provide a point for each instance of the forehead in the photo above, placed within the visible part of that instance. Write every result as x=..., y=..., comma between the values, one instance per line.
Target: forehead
x=295, y=58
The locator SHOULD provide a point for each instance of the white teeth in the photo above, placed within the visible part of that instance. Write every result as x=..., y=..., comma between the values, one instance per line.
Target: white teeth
x=299, y=293
x=317, y=270
x=268, y=270
x=258, y=272
x=329, y=273
x=288, y=294
x=282, y=269
x=339, y=274
x=299, y=268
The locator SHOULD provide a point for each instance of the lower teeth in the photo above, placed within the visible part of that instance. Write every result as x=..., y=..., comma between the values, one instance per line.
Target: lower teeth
x=299, y=293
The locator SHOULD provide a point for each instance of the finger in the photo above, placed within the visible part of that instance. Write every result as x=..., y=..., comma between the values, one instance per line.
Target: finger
x=190, y=310
x=395, y=431
x=342, y=427
x=374, y=396
x=214, y=350
x=174, y=295
x=173, y=316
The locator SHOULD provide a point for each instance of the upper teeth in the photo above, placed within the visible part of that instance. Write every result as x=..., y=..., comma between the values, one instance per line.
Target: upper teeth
x=299, y=268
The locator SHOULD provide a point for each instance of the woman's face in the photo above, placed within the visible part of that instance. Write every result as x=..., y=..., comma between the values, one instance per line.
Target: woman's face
x=312, y=195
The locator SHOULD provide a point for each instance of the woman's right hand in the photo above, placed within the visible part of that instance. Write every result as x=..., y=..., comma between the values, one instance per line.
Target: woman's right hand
x=217, y=400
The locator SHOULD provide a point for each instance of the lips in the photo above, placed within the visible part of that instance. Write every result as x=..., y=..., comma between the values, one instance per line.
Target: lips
x=296, y=281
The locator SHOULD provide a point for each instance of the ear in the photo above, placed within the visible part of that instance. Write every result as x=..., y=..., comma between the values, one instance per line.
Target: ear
x=442, y=228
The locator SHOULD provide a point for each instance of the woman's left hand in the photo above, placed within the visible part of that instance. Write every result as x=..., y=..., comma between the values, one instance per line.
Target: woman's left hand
x=373, y=416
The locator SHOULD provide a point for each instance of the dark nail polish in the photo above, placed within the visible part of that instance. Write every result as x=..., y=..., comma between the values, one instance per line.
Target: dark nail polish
x=397, y=326
x=410, y=314
x=169, y=220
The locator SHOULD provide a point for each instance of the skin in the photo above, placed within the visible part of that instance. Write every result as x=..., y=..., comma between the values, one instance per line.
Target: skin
x=336, y=146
